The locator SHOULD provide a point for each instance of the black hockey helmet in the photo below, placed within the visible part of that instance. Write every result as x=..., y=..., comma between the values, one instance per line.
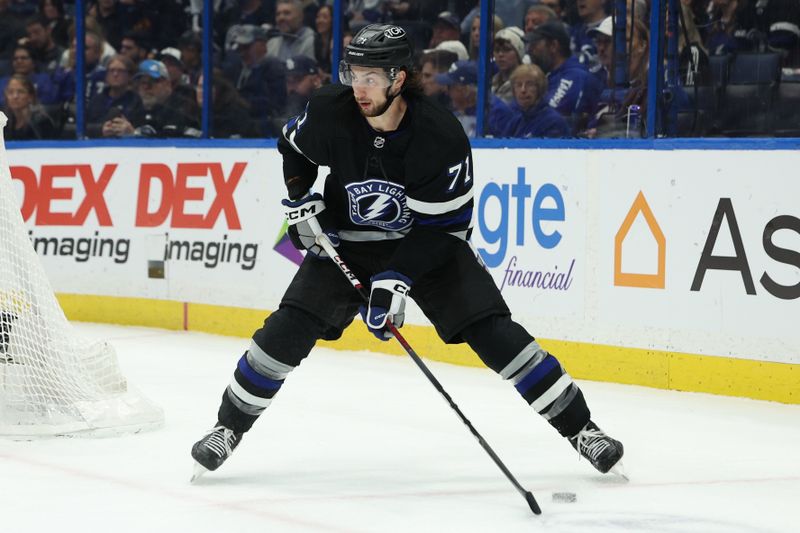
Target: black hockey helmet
x=378, y=45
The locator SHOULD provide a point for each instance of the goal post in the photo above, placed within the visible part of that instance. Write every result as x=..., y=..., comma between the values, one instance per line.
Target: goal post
x=52, y=381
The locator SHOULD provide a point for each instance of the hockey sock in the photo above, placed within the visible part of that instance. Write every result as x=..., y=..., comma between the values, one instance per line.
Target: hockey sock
x=545, y=385
x=256, y=380
x=278, y=347
x=508, y=349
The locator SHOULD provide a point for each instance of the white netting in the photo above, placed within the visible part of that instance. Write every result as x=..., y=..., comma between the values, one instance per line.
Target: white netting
x=51, y=381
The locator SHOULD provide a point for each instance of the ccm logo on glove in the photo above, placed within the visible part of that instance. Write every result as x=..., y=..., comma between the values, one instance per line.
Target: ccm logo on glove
x=387, y=300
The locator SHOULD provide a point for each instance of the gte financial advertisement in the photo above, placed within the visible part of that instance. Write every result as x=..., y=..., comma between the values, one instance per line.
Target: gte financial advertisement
x=694, y=251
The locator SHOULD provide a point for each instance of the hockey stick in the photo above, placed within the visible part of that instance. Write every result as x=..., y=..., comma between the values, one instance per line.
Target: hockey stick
x=322, y=240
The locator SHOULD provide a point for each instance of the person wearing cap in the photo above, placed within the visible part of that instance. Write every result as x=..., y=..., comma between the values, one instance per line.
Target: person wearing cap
x=455, y=47
x=609, y=118
x=508, y=52
x=181, y=85
x=113, y=111
x=591, y=13
x=260, y=79
x=446, y=27
x=461, y=81
x=529, y=114
x=435, y=62
x=302, y=79
x=294, y=39
x=571, y=88
x=163, y=115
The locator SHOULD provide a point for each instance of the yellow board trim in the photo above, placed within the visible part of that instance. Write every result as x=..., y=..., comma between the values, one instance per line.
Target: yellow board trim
x=760, y=380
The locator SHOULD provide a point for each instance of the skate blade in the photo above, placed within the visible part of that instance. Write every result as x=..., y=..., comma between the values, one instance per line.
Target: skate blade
x=619, y=470
x=198, y=472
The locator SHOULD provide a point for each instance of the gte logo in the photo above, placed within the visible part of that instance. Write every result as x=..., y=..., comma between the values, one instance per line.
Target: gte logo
x=515, y=199
x=739, y=262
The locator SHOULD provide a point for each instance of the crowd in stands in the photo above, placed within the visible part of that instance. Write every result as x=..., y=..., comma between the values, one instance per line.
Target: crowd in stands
x=553, y=66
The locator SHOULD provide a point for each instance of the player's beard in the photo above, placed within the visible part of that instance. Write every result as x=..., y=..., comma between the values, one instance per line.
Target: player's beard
x=376, y=110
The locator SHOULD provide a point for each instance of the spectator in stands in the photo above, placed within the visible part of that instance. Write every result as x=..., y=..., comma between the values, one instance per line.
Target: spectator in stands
x=591, y=13
x=571, y=87
x=362, y=12
x=694, y=68
x=475, y=34
x=106, y=53
x=323, y=39
x=243, y=12
x=434, y=63
x=181, y=85
x=163, y=115
x=772, y=26
x=59, y=22
x=46, y=52
x=724, y=21
x=529, y=113
x=261, y=80
x=12, y=28
x=294, y=39
x=462, y=89
x=191, y=48
x=609, y=119
x=508, y=52
x=134, y=45
x=455, y=47
x=106, y=110
x=302, y=78
x=24, y=8
x=110, y=19
x=538, y=14
x=26, y=119
x=95, y=73
x=230, y=113
x=22, y=63
x=446, y=27
x=556, y=5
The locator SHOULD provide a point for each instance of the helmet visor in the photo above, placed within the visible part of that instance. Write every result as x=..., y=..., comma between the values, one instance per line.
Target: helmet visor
x=363, y=76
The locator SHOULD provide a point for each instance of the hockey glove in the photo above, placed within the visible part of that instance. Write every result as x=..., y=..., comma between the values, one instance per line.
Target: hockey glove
x=387, y=301
x=298, y=214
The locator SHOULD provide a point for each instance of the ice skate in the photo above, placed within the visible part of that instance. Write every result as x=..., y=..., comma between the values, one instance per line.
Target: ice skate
x=213, y=449
x=603, y=452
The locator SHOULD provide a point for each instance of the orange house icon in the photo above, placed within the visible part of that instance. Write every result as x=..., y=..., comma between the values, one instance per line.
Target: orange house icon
x=628, y=279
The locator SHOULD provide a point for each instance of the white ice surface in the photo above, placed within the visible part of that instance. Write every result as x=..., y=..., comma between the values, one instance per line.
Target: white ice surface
x=359, y=442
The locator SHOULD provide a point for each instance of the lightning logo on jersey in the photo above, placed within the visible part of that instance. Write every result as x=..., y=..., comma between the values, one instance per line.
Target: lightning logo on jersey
x=378, y=203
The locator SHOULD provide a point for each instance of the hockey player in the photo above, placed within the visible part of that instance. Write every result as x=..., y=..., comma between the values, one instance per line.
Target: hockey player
x=398, y=202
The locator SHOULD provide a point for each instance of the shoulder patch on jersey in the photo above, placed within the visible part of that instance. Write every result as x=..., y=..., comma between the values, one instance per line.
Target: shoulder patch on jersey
x=378, y=203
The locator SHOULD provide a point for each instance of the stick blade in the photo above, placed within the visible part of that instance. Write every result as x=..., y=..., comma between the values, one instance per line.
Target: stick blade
x=532, y=503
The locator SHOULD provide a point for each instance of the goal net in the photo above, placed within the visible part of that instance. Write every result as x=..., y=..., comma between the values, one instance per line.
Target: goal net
x=52, y=382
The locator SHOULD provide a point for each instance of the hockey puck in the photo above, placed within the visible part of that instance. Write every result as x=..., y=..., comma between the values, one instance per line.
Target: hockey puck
x=565, y=497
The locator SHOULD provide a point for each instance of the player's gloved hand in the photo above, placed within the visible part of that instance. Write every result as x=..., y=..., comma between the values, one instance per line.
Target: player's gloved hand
x=387, y=301
x=299, y=214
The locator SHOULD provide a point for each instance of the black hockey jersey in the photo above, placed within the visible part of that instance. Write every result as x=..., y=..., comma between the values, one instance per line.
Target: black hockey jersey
x=413, y=185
